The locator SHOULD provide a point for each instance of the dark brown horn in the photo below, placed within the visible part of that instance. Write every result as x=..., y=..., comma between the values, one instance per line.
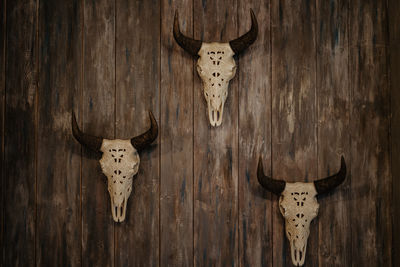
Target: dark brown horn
x=90, y=141
x=240, y=44
x=272, y=185
x=191, y=46
x=142, y=141
x=329, y=183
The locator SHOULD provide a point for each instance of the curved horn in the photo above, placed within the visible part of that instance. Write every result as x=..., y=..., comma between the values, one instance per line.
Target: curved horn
x=90, y=141
x=240, y=44
x=327, y=184
x=275, y=186
x=191, y=46
x=142, y=141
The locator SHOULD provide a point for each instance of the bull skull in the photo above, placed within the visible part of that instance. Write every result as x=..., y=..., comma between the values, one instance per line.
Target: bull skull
x=299, y=206
x=216, y=65
x=119, y=162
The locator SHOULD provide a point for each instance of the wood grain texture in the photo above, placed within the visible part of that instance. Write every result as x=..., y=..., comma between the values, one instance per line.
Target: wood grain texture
x=97, y=118
x=137, y=79
x=20, y=134
x=320, y=81
x=333, y=97
x=294, y=125
x=370, y=109
x=394, y=31
x=255, y=204
x=2, y=118
x=58, y=181
x=176, y=136
x=215, y=151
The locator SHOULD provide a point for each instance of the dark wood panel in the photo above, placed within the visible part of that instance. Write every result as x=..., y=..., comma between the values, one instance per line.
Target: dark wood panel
x=137, y=79
x=176, y=136
x=58, y=164
x=2, y=113
x=254, y=76
x=370, y=109
x=215, y=151
x=97, y=118
x=394, y=31
x=20, y=133
x=333, y=97
x=294, y=125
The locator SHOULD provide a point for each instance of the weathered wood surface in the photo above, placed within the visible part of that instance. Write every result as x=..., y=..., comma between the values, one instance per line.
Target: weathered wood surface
x=20, y=134
x=137, y=92
x=394, y=41
x=255, y=205
x=294, y=122
x=176, y=137
x=97, y=117
x=2, y=113
x=215, y=151
x=370, y=121
x=58, y=201
x=319, y=82
x=333, y=125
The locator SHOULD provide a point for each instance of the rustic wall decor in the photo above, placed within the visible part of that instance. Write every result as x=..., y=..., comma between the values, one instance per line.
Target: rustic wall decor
x=299, y=206
x=119, y=162
x=216, y=65
x=323, y=73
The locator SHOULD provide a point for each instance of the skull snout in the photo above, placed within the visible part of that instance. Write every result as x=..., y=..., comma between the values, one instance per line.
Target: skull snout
x=215, y=112
x=298, y=248
x=118, y=207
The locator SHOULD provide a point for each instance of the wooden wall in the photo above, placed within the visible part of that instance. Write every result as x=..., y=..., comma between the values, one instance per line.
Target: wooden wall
x=321, y=81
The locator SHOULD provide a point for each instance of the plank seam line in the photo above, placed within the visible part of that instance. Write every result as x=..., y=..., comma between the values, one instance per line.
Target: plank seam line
x=238, y=142
x=3, y=132
x=193, y=137
x=270, y=132
x=115, y=109
x=160, y=134
x=81, y=113
x=36, y=52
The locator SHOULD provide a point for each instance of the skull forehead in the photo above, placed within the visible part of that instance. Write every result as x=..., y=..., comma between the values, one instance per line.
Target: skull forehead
x=108, y=145
x=119, y=158
x=224, y=49
x=308, y=188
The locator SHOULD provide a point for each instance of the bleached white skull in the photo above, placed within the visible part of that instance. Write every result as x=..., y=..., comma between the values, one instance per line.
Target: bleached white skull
x=299, y=206
x=119, y=162
x=216, y=65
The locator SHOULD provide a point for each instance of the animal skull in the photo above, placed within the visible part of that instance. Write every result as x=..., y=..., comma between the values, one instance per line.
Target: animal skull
x=299, y=206
x=119, y=162
x=216, y=65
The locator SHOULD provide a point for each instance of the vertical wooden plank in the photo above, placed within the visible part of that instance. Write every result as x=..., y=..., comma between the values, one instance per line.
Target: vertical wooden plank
x=2, y=113
x=137, y=79
x=215, y=151
x=333, y=130
x=98, y=116
x=176, y=136
x=254, y=76
x=370, y=171
x=58, y=241
x=294, y=139
x=20, y=133
x=394, y=31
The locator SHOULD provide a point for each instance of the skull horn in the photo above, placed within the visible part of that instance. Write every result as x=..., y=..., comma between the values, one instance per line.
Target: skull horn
x=329, y=183
x=90, y=141
x=275, y=186
x=190, y=45
x=142, y=141
x=240, y=44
